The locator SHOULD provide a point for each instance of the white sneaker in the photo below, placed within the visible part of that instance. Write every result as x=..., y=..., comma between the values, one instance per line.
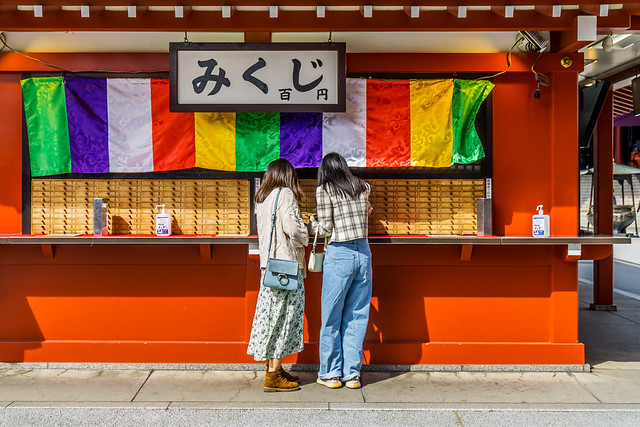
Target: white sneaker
x=353, y=383
x=331, y=382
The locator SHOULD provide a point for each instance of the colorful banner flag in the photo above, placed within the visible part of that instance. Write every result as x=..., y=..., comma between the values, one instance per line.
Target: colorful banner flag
x=46, y=115
x=257, y=140
x=431, y=131
x=468, y=95
x=87, y=125
x=173, y=134
x=346, y=133
x=388, y=123
x=301, y=139
x=215, y=141
x=130, y=131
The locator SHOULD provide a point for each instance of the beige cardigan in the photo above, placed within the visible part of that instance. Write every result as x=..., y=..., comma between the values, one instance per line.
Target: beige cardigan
x=291, y=234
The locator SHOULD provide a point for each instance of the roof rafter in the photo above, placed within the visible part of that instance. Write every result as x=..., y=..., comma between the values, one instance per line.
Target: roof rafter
x=288, y=20
x=374, y=3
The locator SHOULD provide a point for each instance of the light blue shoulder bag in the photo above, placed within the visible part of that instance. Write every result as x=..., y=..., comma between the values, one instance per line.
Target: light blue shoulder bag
x=280, y=273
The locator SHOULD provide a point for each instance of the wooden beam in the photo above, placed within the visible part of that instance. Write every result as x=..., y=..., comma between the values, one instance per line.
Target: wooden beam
x=616, y=22
x=48, y=251
x=302, y=21
x=603, y=205
x=572, y=253
x=266, y=3
x=590, y=9
x=623, y=75
x=603, y=170
x=257, y=37
x=356, y=62
x=465, y=252
x=544, y=9
x=462, y=63
x=408, y=11
x=459, y=12
x=504, y=11
x=596, y=251
x=567, y=41
x=205, y=252
x=603, y=285
x=13, y=62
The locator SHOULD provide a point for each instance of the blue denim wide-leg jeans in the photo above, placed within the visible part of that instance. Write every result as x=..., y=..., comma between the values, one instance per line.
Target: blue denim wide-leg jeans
x=346, y=296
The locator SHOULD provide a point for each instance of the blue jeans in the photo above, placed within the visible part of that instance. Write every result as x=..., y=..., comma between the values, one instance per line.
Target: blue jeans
x=346, y=295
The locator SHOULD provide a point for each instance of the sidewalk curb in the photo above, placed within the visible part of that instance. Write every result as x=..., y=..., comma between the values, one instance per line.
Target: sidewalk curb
x=294, y=367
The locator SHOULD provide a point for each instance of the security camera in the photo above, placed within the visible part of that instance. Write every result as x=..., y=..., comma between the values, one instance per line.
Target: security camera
x=536, y=41
x=607, y=44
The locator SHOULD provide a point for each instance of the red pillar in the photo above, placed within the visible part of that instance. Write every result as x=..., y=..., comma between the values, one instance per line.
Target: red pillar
x=603, y=205
x=618, y=155
x=11, y=157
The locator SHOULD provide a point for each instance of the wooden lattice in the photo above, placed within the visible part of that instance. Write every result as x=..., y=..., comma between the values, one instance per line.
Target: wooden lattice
x=400, y=206
x=418, y=206
x=196, y=206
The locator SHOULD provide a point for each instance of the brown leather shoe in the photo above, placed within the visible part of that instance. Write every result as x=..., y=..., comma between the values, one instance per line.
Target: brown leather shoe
x=287, y=375
x=275, y=381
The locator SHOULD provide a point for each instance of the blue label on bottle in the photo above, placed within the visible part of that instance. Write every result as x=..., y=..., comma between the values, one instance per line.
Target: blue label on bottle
x=538, y=227
x=162, y=229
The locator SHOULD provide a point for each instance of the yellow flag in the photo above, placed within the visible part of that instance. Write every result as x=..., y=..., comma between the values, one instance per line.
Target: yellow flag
x=216, y=141
x=431, y=129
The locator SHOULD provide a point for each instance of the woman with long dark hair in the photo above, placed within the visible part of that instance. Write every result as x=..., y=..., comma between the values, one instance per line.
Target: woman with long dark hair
x=343, y=208
x=277, y=328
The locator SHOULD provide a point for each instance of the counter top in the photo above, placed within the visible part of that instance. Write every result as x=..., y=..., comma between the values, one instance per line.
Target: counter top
x=74, y=239
x=500, y=240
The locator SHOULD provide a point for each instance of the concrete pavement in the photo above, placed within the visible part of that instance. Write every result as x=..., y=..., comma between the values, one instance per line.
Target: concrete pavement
x=628, y=253
x=606, y=393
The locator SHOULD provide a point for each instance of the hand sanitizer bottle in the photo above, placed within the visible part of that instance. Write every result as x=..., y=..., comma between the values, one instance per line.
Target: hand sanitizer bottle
x=163, y=223
x=540, y=223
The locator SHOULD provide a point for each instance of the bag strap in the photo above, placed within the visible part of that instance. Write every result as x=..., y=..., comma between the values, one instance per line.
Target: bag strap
x=315, y=240
x=273, y=222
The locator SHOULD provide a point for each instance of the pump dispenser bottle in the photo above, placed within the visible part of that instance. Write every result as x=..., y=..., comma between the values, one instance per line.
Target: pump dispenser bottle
x=540, y=223
x=163, y=223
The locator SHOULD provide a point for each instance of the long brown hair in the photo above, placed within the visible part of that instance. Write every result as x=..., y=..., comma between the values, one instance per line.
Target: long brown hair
x=280, y=173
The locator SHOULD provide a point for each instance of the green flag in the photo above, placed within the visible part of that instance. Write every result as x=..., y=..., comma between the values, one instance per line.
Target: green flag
x=46, y=114
x=467, y=97
x=257, y=140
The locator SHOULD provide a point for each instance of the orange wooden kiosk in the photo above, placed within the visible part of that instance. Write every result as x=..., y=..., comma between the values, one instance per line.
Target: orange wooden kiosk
x=502, y=299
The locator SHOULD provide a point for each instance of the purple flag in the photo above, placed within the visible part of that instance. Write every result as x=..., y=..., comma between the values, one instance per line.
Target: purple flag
x=88, y=124
x=301, y=139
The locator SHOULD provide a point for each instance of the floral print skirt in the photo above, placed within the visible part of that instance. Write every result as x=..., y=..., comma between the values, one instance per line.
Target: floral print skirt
x=278, y=324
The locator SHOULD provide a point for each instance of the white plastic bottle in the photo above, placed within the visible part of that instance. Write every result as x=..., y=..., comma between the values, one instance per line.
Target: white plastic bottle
x=163, y=223
x=540, y=223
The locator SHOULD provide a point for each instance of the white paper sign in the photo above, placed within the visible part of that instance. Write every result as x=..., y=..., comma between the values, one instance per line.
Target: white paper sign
x=257, y=77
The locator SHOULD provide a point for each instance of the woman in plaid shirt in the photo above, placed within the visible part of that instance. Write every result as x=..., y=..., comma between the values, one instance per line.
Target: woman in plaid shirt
x=343, y=209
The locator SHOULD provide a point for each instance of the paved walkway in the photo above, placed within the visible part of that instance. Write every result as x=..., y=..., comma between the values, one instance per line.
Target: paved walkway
x=609, y=394
x=629, y=254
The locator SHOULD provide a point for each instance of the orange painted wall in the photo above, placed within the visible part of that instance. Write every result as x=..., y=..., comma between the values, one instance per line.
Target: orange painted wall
x=535, y=155
x=166, y=304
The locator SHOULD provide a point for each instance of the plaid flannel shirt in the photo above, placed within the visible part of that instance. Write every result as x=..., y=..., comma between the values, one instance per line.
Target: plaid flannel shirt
x=343, y=218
